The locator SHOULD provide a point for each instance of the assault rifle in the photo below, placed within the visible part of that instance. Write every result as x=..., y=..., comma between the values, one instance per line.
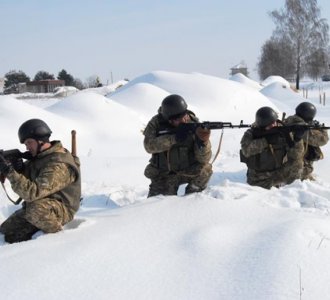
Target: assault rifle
x=15, y=157
x=286, y=129
x=191, y=127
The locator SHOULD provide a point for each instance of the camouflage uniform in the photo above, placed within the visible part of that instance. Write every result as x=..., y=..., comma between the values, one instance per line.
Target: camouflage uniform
x=313, y=139
x=51, y=187
x=173, y=163
x=274, y=163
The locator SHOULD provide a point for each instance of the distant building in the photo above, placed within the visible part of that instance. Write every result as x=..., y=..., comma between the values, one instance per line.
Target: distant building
x=2, y=84
x=40, y=86
x=240, y=68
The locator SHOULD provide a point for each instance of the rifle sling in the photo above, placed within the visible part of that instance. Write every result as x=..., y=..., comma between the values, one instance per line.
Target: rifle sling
x=18, y=201
x=219, y=147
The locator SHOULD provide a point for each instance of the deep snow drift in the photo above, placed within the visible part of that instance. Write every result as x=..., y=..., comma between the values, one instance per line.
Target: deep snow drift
x=232, y=241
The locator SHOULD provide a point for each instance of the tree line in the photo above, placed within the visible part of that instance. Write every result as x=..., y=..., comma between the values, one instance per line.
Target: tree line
x=13, y=78
x=299, y=45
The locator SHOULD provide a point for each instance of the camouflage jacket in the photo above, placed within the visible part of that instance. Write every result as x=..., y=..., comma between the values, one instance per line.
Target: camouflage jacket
x=169, y=155
x=53, y=173
x=261, y=155
x=313, y=139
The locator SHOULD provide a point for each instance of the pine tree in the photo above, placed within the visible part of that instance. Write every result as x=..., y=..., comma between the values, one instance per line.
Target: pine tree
x=68, y=78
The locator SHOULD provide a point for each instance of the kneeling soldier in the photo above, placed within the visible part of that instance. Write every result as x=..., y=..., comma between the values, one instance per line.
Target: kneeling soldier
x=49, y=183
x=272, y=159
x=177, y=158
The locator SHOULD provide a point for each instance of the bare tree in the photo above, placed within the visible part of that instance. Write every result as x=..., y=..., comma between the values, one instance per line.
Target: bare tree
x=276, y=59
x=317, y=64
x=93, y=81
x=77, y=83
x=300, y=24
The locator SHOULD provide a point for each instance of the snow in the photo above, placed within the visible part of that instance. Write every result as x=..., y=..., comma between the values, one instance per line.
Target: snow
x=239, y=77
x=275, y=78
x=232, y=241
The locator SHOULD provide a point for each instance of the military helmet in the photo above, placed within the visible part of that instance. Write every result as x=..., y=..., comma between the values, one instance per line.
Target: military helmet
x=173, y=106
x=306, y=110
x=265, y=116
x=34, y=129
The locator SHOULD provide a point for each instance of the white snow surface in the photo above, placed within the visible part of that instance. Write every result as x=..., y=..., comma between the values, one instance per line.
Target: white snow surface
x=231, y=241
x=275, y=78
x=239, y=77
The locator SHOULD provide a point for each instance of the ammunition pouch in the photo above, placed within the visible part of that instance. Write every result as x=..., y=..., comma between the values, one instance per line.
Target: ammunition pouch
x=313, y=153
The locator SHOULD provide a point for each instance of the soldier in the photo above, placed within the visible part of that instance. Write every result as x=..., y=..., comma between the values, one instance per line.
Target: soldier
x=177, y=158
x=272, y=160
x=313, y=138
x=49, y=183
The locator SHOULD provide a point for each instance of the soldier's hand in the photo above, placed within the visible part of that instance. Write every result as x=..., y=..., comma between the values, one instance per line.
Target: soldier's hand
x=181, y=133
x=18, y=165
x=272, y=138
x=5, y=166
x=316, y=123
x=299, y=133
x=203, y=134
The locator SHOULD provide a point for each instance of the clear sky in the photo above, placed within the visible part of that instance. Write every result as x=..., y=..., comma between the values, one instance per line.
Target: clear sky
x=128, y=38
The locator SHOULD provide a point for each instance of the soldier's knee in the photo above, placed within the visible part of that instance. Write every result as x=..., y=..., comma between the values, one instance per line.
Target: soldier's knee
x=43, y=216
x=3, y=228
x=207, y=170
x=35, y=211
x=17, y=237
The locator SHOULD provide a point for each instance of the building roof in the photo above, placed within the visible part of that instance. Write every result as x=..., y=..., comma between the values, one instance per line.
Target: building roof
x=46, y=81
x=239, y=66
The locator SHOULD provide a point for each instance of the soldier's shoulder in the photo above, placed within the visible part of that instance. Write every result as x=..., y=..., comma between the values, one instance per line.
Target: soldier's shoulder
x=156, y=119
x=293, y=120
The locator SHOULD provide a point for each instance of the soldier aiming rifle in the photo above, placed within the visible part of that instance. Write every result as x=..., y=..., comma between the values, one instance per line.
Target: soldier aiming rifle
x=48, y=182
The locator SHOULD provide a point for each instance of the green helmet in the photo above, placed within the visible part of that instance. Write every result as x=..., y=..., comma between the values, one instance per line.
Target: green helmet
x=34, y=129
x=173, y=106
x=265, y=116
x=306, y=111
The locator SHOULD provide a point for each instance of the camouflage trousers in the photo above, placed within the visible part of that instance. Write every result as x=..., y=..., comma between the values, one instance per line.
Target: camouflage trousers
x=308, y=170
x=164, y=183
x=282, y=176
x=47, y=215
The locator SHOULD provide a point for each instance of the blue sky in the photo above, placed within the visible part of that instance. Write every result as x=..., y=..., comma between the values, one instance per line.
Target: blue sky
x=130, y=38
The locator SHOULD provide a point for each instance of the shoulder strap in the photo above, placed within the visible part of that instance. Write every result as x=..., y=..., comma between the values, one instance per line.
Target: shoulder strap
x=18, y=201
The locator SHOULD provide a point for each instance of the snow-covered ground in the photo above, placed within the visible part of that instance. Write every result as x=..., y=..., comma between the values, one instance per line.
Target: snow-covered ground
x=232, y=241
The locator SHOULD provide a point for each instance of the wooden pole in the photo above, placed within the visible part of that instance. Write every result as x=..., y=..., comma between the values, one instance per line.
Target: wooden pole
x=73, y=143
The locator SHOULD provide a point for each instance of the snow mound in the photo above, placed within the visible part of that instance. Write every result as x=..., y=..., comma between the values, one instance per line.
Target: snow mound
x=212, y=97
x=241, y=78
x=107, y=89
x=64, y=91
x=282, y=96
x=271, y=79
x=137, y=97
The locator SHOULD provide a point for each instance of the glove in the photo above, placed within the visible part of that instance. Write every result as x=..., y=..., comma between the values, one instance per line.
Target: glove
x=203, y=134
x=181, y=133
x=272, y=138
x=18, y=165
x=299, y=133
x=258, y=133
x=5, y=166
